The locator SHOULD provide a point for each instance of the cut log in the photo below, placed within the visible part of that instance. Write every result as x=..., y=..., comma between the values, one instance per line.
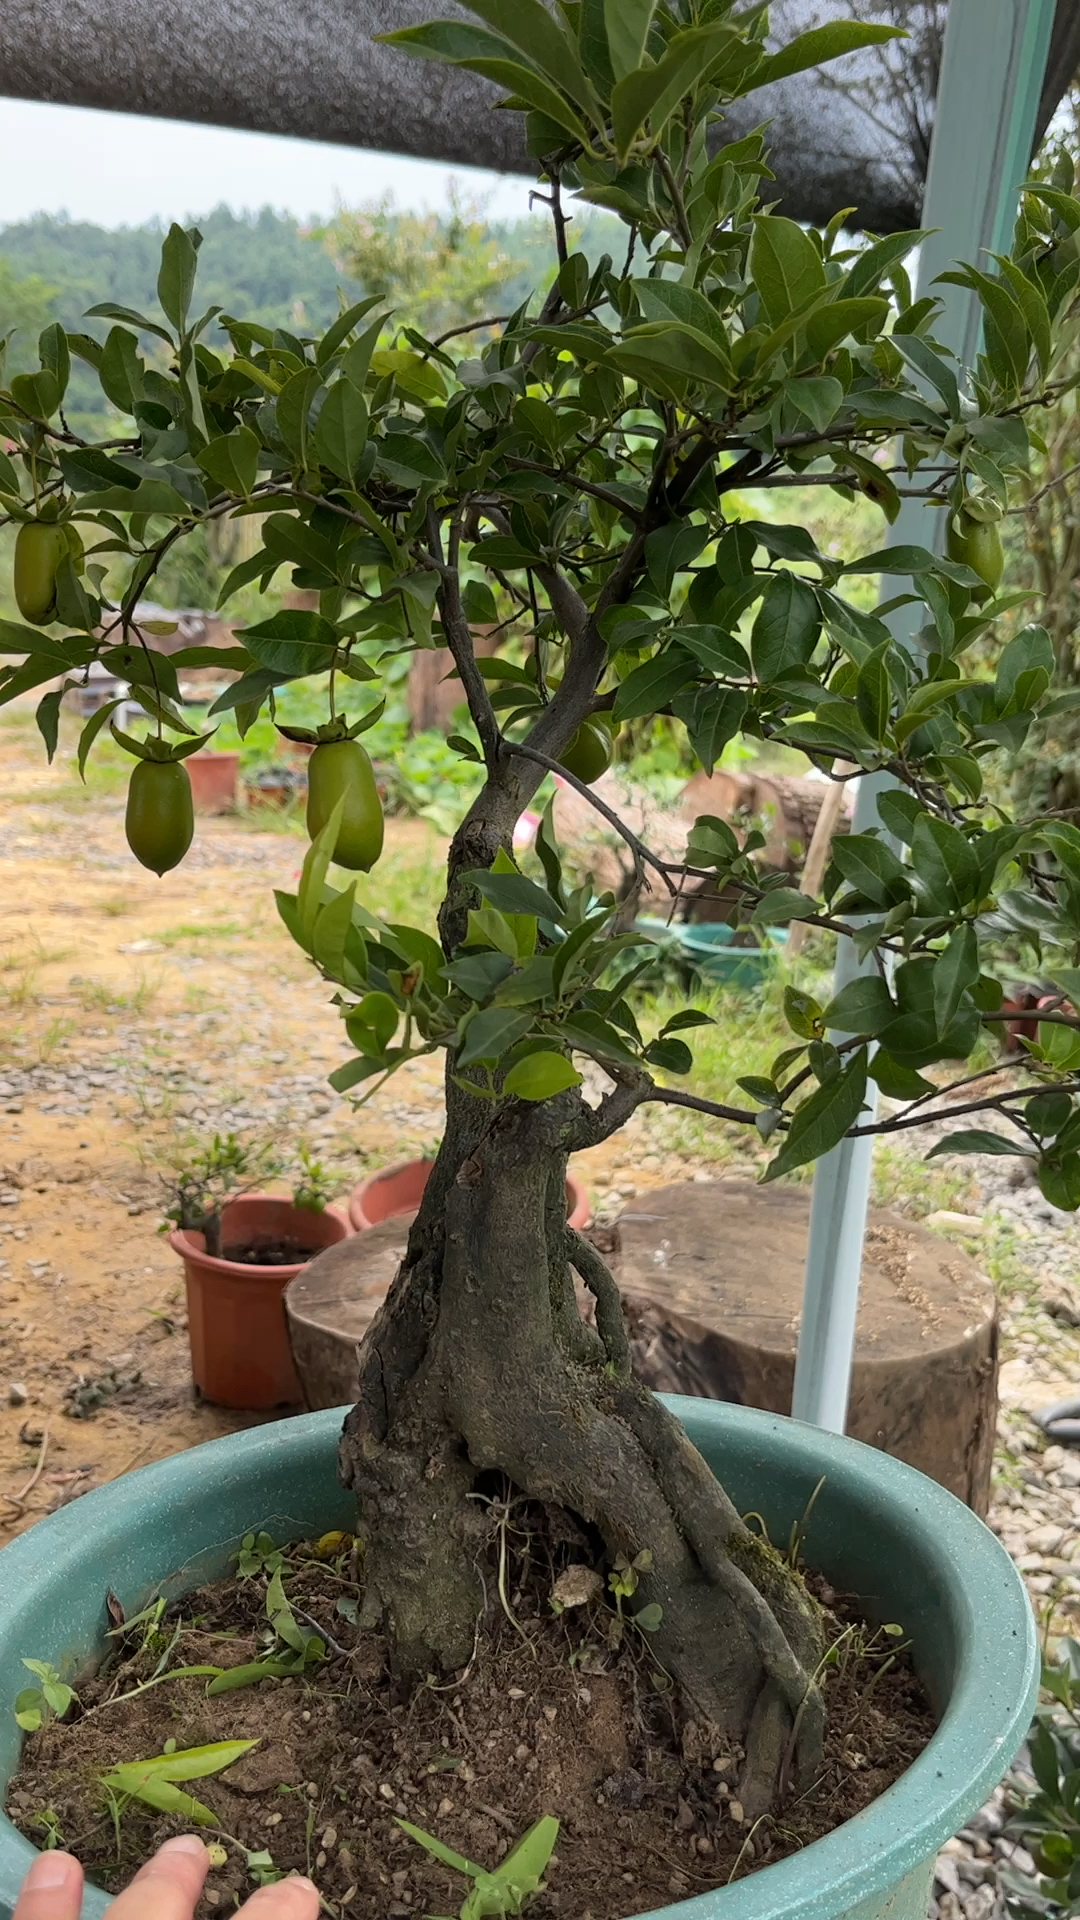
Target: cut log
x=711, y=1275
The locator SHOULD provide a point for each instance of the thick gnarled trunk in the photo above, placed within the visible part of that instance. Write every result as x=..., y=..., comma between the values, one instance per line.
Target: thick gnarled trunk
x=480, y=1361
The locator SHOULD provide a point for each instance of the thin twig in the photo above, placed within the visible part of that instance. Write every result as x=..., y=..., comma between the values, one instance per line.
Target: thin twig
x=642, y=856
x=17, y=1500
x=674, y=1097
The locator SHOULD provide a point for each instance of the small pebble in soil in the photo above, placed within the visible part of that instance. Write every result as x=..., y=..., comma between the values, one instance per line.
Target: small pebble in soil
x=17, y=1394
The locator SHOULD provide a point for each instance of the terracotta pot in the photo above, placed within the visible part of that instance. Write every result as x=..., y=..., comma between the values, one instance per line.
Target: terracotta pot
x=236, y=1319
x=400, y=1189
x=213, y=781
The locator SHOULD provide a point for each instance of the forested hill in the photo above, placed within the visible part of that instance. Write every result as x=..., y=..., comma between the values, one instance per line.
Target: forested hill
x=263, y=266
x=435, y=270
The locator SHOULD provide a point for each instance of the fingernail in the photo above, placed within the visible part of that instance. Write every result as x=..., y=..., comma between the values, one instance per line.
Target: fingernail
x=305, y=1885
x=50, y=1870
x=185, y=1843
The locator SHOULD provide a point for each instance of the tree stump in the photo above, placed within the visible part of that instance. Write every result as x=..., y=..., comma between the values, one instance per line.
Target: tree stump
x=711, y=1275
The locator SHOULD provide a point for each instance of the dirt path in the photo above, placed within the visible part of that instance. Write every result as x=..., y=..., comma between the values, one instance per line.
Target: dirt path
x=135, y=1012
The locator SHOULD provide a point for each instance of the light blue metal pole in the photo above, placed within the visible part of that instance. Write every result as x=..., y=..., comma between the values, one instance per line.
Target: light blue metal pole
x=992, y=73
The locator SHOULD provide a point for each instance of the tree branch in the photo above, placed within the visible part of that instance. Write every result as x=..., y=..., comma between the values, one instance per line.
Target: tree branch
x=641, y=853
x=459, y=641
x=674, y=1097
x=609, y=1310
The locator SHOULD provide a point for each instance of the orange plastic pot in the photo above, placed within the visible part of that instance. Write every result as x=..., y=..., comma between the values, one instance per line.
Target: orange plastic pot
x=213, y=781
x=240, y=1353
x=400, y=1189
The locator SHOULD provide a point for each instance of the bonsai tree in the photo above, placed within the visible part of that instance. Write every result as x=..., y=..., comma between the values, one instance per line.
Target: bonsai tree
x=201, y=1183
x=571, y=482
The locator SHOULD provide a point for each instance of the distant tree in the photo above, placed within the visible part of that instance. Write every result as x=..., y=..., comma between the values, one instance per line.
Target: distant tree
x=436, y=270
x=26, y=306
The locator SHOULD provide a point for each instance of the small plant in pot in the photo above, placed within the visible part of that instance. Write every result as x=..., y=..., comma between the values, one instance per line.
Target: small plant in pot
x=241, y=1246
x=574, y=478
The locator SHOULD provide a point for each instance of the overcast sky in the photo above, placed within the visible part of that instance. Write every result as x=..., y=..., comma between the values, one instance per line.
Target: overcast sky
x=120, y=169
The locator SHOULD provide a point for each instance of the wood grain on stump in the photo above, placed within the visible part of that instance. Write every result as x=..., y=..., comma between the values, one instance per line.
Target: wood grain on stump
x=711, y=1275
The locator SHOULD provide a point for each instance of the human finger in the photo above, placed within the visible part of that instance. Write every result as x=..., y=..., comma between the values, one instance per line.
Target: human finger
x=293, y=1899
x=52, y=1890
x=169, y=1885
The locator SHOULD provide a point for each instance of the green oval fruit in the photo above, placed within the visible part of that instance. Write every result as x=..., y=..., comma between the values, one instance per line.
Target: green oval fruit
x=977, y=544
x=340, y=769
x=40, y=545
x=160, y=819
x=588, y=754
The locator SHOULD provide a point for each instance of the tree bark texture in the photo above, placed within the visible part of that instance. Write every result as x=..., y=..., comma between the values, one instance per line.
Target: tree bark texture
x=479, y=1361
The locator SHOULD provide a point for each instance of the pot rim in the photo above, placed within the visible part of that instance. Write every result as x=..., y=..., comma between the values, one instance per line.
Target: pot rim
x=355, y=1202
x=981, y=1728
x=185, y=1242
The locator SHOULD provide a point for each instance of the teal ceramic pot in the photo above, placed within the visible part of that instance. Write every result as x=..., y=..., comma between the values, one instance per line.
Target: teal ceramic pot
x=878, y=1529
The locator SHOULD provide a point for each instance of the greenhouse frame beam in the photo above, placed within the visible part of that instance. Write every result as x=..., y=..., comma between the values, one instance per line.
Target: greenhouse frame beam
x=994, y=62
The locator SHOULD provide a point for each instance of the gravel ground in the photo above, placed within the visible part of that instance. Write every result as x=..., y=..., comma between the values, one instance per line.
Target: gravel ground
x=1033, y=1251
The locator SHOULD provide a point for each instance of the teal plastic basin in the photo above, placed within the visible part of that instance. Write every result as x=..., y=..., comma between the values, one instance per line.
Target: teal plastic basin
x=707, y=948
x=879, y=1529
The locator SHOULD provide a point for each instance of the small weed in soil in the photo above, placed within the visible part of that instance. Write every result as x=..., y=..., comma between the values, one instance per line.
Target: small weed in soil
x=562, y=1714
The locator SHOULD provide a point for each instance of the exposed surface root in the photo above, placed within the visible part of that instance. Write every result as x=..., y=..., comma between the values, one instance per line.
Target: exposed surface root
x=480, y=1362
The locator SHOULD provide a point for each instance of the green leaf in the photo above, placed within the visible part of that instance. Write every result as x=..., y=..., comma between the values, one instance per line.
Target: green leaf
x=332, y=928
x=666, y=355
x=478, y=974
x=668, y=300
x=786, y=629
x=48, y=718
x=627, y=23
x=649, y=1618
x=830, y=324
x=955, y=970
x=313, y=874
x=540, y=1075
x=343, y=326
x=813, y=49
x=530, y=28
x=512, y=893
x=372, y=1024
x=785, y=266
x=651, y=686
x=492, y=1033
x=873, y=691
x=410, y=460
x=864, y=1006
x=232, y=460
x=294, y=641
x=690, y=1017
x=341, y=429
x=823, y=1120
x=1059, y=1180
x=91, y=730
x=712, y=716
x=121, y=372
x=526, y=1862
x=670, y=1055
x=944, y=863
x=818, y=398
x=870, y=866
x=782, y=904
x=440, y=1852
x=524, y=84
x=55, y=355
x=652, y=93
x=176, y=278
x=977, y=1140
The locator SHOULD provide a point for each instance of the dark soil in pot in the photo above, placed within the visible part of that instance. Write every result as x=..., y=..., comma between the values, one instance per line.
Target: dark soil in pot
x=555, y=1714
x=270, y=1253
